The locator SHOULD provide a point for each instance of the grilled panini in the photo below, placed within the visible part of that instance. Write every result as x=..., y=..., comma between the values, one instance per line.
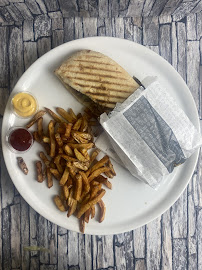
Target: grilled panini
x=98, y=77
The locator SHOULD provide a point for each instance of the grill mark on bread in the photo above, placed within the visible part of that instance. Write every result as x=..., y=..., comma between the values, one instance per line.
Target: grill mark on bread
x=91, y=74
x=98, y=81
x=102, y=88
x=89, y=67
x=94, y=62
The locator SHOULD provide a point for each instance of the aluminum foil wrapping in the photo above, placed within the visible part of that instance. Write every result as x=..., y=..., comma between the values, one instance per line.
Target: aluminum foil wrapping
x=149, y=134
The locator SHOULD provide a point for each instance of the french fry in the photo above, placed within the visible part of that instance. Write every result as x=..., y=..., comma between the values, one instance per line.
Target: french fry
x=78, y=187
x=64, y=177
x=79, y=156
x=44, y=173
x=109, y=174
x=65, y=114
x=82, y=224
x=79, y=175
x=22, y=165
x=68, y=128
x=49, y=178
x=58, y=139
x=40, y=127
x=70, y=198
x=39, y=171
x=84, y=152
x=35, y=118
x=55, y=173
x=83, y=135
x=100, y=163
x=72, y=114
x=72, y=208
x=68, y=158
x=52, y=138
x=46, y=139
x=69, y=182
x=81, y=145
x=57, y=163
x=95, y=190
x=36, y=136
x=94, y=155
x=77, y=124
x=44, y=158
x=102, y=210
x=104, y=181
x=56, y=117
x=85, y=181
x=92, y=211
x=92, y=202
x=81, y=165
x=87, y=215
x=97, y=173
x=59, y=203
x=84, y=125
x=66, y=191
x=111, y=167
x=78, y=138
x=68, y=150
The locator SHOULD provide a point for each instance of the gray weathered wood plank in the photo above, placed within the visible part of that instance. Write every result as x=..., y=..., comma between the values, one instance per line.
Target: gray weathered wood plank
x=68, y=8
x=119, y=252
x=88, y=251
x=62, y=252
x=165, y=42
x=119, y=28
x=3, y=56
x=42, y=26
x=199, y=238
x=101, y=30
x=33, y=7
x=104, y=256
x=51, y=5
x=174, y=45
x=193, y=62
x=166, y=256
x=103, y=8
x=24, y=11
x=34, y=263
x=139, y=242
x=33, y=220
x=191, y=27
x=192, y=216
x=90, y=27
x=135, y=8
x=199, y=25
x=128, y=29
x=181, y=40
x=28, y=30
x=153, y=244
x=30, y=53
x=179, y=254
x=68, y=29
x=147, y=7
x=43, y=45
x=56, y=19
x=78, y=28
x=140, y=264
x=4, y=95
x=57, y=38
x=15, y=236
x=150, y=31
x=53, y=242
x=72, y=246
x=15, y=55
x=24, y=228
x=183, y=10
x=43, y=239
x=6, y=238
x=15, y=13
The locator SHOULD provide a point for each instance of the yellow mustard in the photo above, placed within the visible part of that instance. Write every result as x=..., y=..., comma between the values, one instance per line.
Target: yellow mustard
x=24, y=104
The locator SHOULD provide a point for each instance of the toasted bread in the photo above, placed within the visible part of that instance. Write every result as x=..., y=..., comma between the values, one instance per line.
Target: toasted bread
x=97, y=76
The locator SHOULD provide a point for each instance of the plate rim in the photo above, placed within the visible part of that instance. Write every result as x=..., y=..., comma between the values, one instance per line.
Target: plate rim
x=194, y=157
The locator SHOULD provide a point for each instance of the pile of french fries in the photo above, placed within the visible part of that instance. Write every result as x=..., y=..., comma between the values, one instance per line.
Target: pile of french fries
x=79, y=174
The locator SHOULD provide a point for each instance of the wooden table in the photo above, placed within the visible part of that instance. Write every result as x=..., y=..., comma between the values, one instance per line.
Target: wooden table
x=28, y=29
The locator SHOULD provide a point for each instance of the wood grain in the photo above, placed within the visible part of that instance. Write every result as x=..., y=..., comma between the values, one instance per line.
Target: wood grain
x=28, y=29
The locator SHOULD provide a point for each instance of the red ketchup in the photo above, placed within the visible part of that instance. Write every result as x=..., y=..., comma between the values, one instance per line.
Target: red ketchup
x=20, y=139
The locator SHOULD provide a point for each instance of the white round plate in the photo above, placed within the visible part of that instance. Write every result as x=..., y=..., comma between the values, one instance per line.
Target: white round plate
x=130, y=203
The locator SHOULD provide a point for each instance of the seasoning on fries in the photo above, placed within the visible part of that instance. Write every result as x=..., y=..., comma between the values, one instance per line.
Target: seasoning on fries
x=78, y=173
